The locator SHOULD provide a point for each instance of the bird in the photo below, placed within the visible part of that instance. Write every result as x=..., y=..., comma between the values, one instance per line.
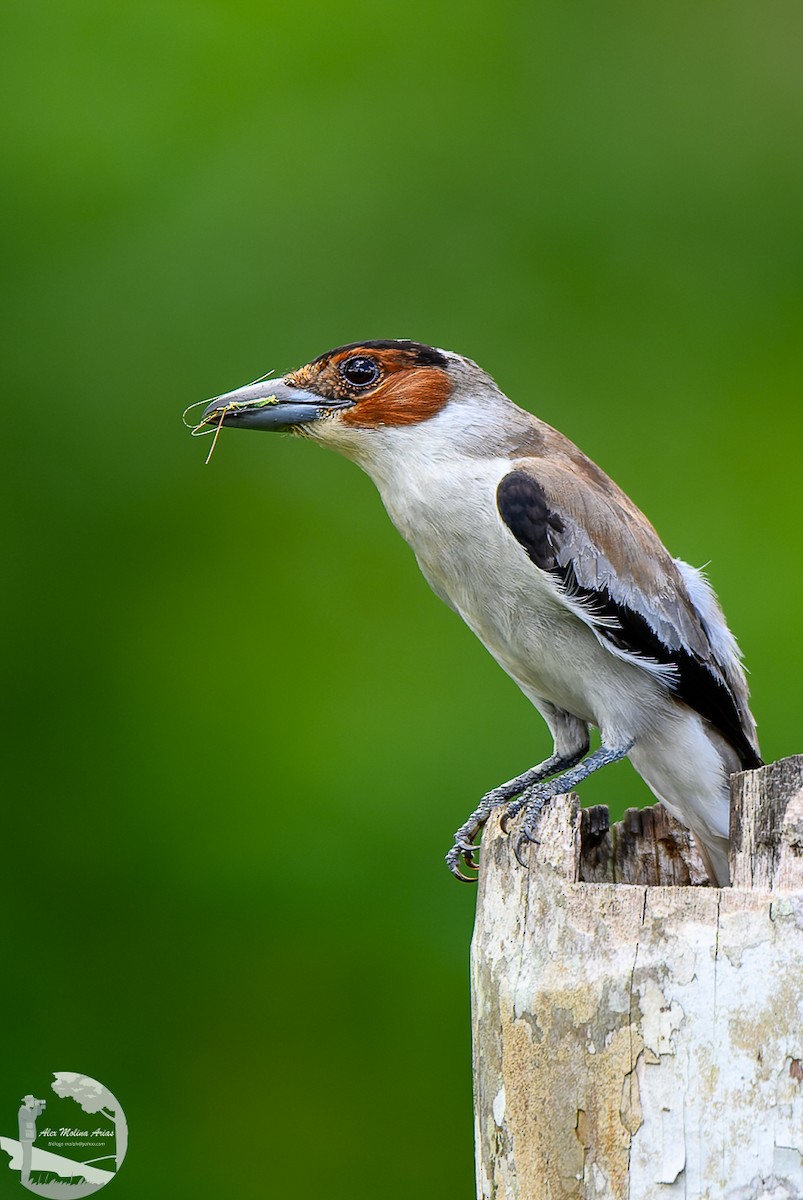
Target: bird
x=551, y=565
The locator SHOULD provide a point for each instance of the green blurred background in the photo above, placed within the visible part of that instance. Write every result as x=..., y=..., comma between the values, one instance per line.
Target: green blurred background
x=240, y=731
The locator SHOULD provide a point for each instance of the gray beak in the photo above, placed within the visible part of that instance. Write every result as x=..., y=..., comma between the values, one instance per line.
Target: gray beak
x=270, y=404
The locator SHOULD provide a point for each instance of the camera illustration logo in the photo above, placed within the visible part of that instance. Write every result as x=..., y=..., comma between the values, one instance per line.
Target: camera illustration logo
x=72, y=1142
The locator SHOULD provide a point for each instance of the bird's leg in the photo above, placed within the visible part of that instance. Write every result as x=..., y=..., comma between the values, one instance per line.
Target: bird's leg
x=535, y=798
x=464, y=839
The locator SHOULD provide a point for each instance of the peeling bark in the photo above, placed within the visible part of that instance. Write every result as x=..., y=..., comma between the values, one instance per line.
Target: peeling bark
x=636, y=1038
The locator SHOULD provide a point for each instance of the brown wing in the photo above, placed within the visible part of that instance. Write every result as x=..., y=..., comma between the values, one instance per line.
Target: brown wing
x=611, y=566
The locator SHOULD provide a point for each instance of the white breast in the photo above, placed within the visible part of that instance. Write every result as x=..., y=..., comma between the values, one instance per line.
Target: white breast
x=445, y=508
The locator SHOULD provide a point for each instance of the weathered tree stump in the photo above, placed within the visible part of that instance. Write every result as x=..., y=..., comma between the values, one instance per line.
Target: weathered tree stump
x=638, y=1035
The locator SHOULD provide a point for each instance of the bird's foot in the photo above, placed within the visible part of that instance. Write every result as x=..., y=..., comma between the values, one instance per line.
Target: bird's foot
x=530, y=793
x=465, y=849
x=535, y=799
x=463, y=853
x=532, y=804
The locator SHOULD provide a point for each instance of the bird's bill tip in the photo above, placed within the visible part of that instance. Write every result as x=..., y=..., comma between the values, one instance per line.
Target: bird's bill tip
x=270, y=404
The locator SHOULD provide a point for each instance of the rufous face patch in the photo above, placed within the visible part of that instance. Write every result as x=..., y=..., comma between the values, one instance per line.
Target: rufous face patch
x=381, y=383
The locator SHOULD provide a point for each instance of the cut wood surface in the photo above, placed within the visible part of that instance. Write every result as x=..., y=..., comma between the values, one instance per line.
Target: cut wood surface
x=638, y=1035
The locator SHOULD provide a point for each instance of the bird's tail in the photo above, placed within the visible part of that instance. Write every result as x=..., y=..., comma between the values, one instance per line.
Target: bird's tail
x=714, y=853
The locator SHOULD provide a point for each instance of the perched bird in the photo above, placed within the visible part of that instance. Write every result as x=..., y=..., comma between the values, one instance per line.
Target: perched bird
x=551, y=565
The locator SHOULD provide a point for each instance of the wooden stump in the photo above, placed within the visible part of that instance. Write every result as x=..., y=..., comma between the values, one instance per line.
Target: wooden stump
x=637, y=1034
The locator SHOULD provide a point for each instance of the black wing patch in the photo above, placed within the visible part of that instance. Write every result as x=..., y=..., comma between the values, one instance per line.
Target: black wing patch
x=524, y=508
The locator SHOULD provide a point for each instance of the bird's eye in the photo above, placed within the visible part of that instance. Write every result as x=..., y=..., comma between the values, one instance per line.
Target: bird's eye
x=360, y=371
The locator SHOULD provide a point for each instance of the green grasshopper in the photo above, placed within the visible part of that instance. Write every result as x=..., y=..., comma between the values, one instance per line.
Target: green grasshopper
x=235, y=406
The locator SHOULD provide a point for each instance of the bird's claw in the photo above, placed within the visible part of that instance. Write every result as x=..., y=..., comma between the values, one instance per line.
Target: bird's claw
x=524, y=838
x=465, y=849
x=533, y=805
x=511, y=812
x=518, y=849
x=466, y=853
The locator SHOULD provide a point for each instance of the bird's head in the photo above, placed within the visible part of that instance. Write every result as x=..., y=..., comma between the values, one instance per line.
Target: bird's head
x=346, y=397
